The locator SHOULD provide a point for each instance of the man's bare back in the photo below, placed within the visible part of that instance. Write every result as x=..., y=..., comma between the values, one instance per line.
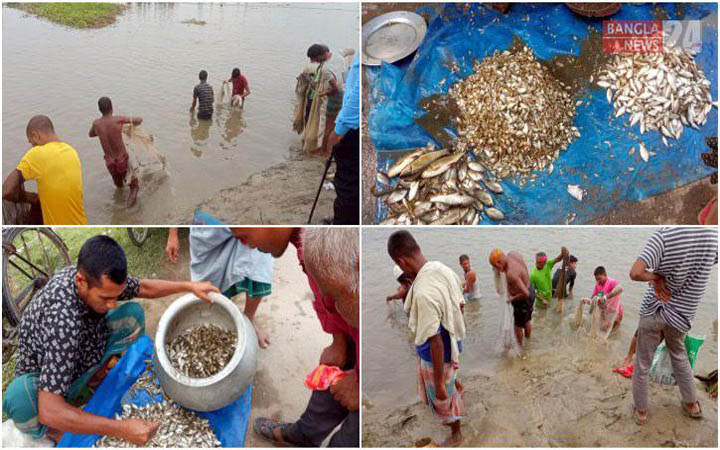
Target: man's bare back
x=516, y=273
x=109, y=130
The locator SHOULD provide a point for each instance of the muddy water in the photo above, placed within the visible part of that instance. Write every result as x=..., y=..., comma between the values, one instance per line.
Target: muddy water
x=148, y=62
x=389, y=361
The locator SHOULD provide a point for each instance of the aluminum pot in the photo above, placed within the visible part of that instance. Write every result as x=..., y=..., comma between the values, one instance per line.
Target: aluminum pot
x=223, y=388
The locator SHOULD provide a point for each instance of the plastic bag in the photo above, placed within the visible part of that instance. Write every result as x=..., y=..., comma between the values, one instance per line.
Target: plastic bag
x=661, y=370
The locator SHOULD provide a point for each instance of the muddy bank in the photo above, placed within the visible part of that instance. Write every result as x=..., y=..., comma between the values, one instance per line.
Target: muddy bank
x=550, y=399
x=282, y=194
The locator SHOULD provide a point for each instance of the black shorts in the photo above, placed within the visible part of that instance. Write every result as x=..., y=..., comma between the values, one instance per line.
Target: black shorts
x=523, y=309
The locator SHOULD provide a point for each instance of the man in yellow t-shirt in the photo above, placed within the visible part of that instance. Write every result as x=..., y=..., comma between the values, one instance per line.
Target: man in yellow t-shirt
x=56, y=168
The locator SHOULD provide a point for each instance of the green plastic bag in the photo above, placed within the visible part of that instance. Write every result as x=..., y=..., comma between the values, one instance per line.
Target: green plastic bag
x=661, y=370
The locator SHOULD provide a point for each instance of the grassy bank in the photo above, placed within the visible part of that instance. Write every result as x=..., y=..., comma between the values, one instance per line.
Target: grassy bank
x=77, y=15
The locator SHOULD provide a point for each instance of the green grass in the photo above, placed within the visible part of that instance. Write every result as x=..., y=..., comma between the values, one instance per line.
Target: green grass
x=77, y=15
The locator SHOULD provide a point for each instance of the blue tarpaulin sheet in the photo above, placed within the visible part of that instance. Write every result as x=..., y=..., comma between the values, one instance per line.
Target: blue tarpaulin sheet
x=229, y=423
x=461, y=37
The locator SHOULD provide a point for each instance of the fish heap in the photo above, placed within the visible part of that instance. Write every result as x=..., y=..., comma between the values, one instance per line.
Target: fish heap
x=514, y=115
x=202, y=351
x=178, y=427
x=659, y=91
x=148, y=382
x=438, y=187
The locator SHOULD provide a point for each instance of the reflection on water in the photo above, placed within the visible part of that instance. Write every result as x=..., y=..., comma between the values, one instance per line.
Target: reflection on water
x=148, y=64
x=388, y=348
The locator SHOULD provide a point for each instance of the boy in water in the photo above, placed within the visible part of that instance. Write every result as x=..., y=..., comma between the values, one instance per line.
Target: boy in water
x=122, y=167
x=471, y=288
x=611, y=312
x=241, y=88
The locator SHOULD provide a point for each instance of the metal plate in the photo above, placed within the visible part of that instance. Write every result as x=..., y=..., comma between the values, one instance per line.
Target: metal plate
x=391, y=37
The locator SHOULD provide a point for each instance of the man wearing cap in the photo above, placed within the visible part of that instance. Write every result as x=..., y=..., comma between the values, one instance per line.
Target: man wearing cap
x=520, y=293
x=541, y=276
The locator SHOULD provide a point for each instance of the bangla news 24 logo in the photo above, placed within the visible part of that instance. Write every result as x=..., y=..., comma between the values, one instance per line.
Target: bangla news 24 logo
x=651, y=36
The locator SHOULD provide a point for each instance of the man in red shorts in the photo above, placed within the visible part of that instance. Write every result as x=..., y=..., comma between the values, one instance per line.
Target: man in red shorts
x=119, y=163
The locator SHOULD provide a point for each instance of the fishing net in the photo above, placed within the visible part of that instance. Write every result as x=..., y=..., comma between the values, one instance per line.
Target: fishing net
x=506, y=342
x=141, y=148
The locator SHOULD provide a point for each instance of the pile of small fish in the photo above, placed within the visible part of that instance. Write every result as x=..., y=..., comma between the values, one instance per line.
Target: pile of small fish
x=514, y=115
x=202, y=351
x=148, y=382
x=660, y=91
x=438, y=187
x=178, y=427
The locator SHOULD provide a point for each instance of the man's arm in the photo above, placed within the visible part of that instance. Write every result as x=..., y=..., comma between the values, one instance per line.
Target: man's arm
x=161, y=288
x=563, y=252
x=514, y=279
x=639, y=272
x=617, y=290
x=437, y=354
x=92, y=132
x=470, y=282
x=56, y=413
x=398, y=295
x=12, y=186
x=571, y=279
x=172, y=248
x=135, y=120
x=194, y=103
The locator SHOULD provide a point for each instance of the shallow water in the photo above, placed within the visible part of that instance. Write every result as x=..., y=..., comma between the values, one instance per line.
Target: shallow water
x=389, y=361
x=147, y=63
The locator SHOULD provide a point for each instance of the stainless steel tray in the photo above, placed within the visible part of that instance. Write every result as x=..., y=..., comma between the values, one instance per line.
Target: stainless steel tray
x=391, y=37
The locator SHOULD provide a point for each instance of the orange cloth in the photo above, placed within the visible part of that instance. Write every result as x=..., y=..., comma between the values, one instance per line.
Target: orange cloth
x=322, y=377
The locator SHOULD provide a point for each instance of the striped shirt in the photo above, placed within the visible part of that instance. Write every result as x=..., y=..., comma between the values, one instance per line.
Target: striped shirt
x=204, y=93
x=685, y=258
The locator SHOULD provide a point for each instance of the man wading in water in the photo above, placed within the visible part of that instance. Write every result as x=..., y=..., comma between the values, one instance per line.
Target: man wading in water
x=121, y=166
x=437, y=325
x=521, y=294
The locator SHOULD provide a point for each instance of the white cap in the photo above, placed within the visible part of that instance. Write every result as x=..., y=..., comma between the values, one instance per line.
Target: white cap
x=397, y=271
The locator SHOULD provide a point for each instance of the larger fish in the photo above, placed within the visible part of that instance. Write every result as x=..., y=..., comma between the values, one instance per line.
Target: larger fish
x=403, y=162
x=422, y=162
x=453, y=199
x=494, y=214
x=441, y=165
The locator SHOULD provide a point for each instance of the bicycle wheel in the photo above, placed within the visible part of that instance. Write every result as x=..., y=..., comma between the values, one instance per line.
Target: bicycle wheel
x=138, y=236
x=30, y=258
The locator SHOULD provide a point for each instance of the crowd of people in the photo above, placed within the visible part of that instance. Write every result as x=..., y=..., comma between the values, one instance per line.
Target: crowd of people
x=676, y=262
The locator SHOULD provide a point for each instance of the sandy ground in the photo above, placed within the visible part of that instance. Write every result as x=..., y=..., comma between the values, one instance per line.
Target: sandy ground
x=547, y=400
x=282, y=194
x=678, y=206
x=297, y=339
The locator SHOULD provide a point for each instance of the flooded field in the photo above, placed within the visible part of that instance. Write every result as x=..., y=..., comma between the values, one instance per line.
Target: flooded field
x=535, y=401
x=148, y=64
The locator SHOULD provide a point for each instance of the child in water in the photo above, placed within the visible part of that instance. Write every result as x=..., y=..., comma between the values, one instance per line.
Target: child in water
x=241, y=88
x=471, y=287
x=607, y=293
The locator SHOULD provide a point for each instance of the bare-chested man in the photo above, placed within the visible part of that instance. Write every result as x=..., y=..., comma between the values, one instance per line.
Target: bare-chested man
x=520, y=293
x=109, y=129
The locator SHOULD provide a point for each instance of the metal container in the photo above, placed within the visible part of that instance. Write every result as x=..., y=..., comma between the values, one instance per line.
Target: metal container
x=223, y=388
x=392, y=37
